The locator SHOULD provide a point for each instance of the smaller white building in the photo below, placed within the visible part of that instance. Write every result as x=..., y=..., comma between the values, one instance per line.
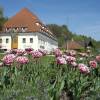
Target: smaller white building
x=25, y=30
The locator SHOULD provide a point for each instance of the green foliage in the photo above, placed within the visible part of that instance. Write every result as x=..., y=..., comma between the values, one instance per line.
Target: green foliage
x=43, y=79
x=61, y=32
x=2, y=18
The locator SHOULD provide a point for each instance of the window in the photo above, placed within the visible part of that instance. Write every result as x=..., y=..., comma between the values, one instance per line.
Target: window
x=31, y=40
x=44, y=42
x=24, y=29
x=0, y=40
x=42, y=47
x=7, y=40
x=8, y=29
x=24, y=40
x=39, y=41
x=37, y=24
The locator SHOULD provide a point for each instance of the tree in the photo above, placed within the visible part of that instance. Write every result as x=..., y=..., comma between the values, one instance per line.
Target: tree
x=2, y=19
x=61, y=32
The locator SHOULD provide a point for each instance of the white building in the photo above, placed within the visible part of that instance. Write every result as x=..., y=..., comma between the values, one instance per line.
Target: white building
x=25, y=30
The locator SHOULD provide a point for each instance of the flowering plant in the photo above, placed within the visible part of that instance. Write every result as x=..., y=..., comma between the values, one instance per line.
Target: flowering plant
x=8, y=59
x=22, y=60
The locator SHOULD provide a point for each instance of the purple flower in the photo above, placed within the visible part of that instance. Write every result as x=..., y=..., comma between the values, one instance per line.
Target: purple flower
x=44, y=52
x=83, y=68
x=98, y=58
x=22, y=60
x=36, y=54
x=20, y=52
x=93, y=64
x=61, y=60
x=28, y=50
x=8, y=59
x=70, y=59
x=72, y=53
x=58, y=52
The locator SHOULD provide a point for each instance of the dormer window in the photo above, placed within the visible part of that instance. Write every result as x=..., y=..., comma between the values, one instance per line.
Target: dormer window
x=24, y=29
x=43, y=27
x=8, y=29
x=41, y=30
x=16, y=28
x=37, y=24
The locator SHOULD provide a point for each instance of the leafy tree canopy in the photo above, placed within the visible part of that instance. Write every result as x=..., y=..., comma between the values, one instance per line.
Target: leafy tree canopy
x=2, y=18
x=63, y=34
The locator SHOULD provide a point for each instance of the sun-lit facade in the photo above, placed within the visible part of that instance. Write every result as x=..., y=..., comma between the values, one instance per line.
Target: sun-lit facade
x=25, y=30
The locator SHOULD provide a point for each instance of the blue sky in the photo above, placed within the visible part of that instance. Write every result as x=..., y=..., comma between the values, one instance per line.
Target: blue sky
x=81, y=16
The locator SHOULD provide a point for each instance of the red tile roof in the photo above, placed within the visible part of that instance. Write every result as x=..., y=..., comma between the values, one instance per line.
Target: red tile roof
x=72, y=45
x=24, y=18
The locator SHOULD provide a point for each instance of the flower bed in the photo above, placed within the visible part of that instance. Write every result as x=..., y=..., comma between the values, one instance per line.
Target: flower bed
x=29, y=75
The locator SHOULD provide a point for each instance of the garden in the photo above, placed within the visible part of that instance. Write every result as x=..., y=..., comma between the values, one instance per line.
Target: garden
x=37, y=75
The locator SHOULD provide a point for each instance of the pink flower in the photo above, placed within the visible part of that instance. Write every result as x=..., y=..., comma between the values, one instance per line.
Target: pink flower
x=20, y=52
x=36, y=54
x=31, y=52
x=93, y=64
x=98, y=58
x=22, y=60
x=17, y=51
x=8, y=59
x=74, y=64
x=28, y=50
x=61, y=60
x=72, y=53
x=13, y=51
x=83, y=68
x=70, y=59
x=44, y=52
x=57, y=52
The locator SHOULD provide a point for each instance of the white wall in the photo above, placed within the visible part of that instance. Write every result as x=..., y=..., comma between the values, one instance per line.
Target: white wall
x=48, y=43
x=5, y=45
x=22, y=45
x=39, y=39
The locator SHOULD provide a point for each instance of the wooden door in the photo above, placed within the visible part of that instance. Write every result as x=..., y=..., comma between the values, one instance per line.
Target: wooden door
x=14, y=43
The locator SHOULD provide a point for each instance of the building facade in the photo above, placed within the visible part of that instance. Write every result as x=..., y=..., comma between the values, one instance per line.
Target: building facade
x=25, y=30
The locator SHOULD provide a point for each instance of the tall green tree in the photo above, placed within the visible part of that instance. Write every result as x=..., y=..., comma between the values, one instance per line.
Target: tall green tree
x=61, y=32
x=2, y=19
